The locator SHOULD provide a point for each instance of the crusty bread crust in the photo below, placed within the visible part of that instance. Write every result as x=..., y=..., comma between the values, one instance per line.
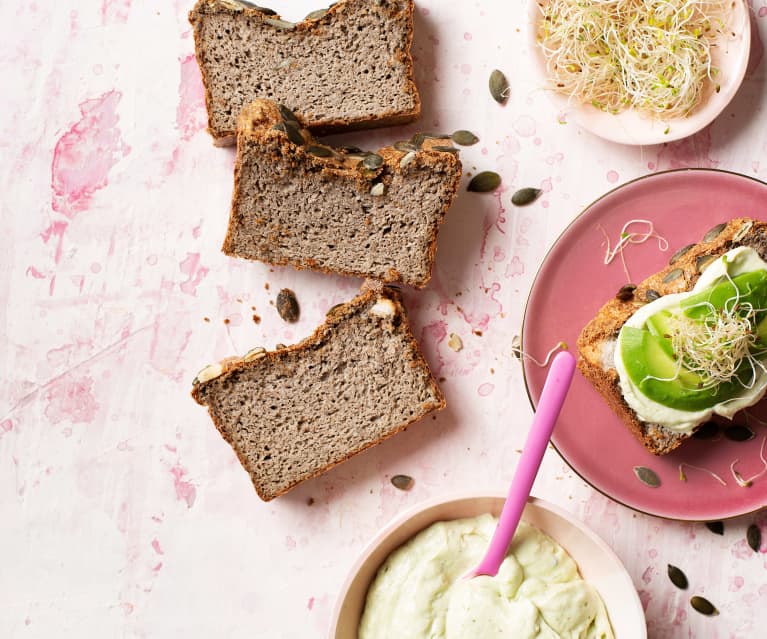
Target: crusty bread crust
x=256, y=122
x=603, y=330
x=307, y=28
x=371, y=292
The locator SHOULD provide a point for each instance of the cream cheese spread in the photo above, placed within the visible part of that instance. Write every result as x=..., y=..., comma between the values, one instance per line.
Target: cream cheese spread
x=734, y=262
x=420, y=591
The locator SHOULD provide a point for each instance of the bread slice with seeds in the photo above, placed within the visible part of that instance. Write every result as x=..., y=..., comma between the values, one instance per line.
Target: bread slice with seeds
x=347, y=67
x=294, y=413
x=304, y=204
x=597, y=341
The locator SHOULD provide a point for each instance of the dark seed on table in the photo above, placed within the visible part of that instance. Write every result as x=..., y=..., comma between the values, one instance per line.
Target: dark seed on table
x=626, y=292
x=673, y=275
x=464, y=138
x=525, y=196
x=739, y=433
x=499, y=87
x=677, y=577
x=703, y=606
x=484, y=182
x=402, y=482
x=716, y=527
x=651, y=295
x=680, y=253
x=287, y=305
x=754, y=537
x=707, y=431
x=647, y=476
x=713, y=232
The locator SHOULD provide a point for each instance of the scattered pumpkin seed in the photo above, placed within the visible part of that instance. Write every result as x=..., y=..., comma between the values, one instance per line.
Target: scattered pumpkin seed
x=716, y=527
x=739, y=433
x=372, y=161
x=516, y=346
x=651, y=295
x=445, y=149
x=499, y=87
x=350, y=149
x=287, y=305
x=484, y=182
x=680, y=253
x=402, y=482
x=378, y=189
x=742, y=231
x=708, y=430
x=525, y=196
x=713, y=232
x=673, y=275
x=702, y=261
x=405, y=146
x=464, y=138
x=407, y=159
x=417, y=140
x=677, y=577
x=703, y=606
x=316, y=15
x=626, y=292
x=319, y=151
x=454, y=342
x=754, y=537
x=647, y=476
x=280, y=24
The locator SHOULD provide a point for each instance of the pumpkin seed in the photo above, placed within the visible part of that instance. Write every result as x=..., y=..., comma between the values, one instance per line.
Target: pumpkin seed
x=702, y=261
x=673, y=275
x=372, y=161
x=402, y=482
x=265, y=10
x=279, y=347
x=516, y=346
x=713, y=232
x=294, y=134
x=626, y=292
x=287, y=305
x=499, y=86
x=647, y=476
x=445, y=149
x=435, y=136
x=754, y=537
x=716, y=527
x=255, y=353
x=316, y=15
x=378, y=189
x=680, y=253
x=234, y=4
x=484, y=182
x=280, y=126
x=525, y=196
x=708, y=430
x=738, y=433
x=405, y=147
x=287, y=114
x=333, y=308
x=280, y=24
x=350, y=149
x=407, y=159
x=464, y=138
x=651, y=295
x=319, y=151
x=742, y=231
x=703, y=606
x=417, y=140
x=677, y=577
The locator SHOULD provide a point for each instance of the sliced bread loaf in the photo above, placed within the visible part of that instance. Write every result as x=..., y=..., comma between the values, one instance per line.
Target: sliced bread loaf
x=296, y=412
x=345, y=68
x=597, y=341
x=301, y=203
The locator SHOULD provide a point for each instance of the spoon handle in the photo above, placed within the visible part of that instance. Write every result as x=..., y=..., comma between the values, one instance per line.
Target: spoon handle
x=552, y=397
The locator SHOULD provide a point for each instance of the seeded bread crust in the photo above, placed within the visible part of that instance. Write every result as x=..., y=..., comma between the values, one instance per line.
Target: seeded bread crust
x=287, y=81
x=260, y=229
x=209, y=387
x=598, y=338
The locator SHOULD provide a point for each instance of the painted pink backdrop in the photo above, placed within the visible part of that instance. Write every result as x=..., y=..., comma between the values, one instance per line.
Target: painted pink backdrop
x=122, y=511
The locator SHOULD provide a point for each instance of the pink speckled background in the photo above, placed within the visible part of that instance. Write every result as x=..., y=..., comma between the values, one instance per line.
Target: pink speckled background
x=122, y=512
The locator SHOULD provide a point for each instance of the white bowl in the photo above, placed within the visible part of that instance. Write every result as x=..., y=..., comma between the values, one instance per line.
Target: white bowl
x=598, y=564
x=629, y=126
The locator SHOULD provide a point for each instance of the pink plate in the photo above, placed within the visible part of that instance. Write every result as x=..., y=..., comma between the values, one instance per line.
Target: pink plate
x=571, y=286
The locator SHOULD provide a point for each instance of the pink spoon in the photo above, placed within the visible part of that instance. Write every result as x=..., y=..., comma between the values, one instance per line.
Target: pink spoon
x=552, y=397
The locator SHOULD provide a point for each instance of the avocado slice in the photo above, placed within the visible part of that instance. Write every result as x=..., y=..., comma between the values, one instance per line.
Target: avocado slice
x=661, y=326
x=751, y=288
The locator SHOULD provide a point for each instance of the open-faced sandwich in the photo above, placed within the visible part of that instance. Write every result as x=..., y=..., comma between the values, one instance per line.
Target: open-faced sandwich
x=688, y=342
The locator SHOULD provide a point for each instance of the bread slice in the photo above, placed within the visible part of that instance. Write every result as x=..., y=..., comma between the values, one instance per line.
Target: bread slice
x=349, y=68
x=301, y=203
x=294, y=413
x=597, y=341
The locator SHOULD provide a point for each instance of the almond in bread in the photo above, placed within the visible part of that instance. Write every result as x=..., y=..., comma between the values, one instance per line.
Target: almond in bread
x=296, y=412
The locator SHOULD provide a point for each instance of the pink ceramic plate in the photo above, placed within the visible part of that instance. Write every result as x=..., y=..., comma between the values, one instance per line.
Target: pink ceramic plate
x=572, y=285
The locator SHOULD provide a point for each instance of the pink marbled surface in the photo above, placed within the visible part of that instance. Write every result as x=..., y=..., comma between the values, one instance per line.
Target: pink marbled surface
x=123, y=512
